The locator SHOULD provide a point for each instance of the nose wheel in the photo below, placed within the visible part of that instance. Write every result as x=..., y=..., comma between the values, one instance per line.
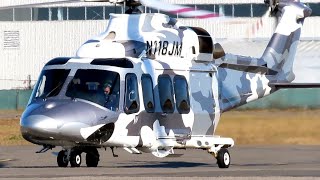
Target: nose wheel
x=62, y=159
x=92, y=158
x=74, y=157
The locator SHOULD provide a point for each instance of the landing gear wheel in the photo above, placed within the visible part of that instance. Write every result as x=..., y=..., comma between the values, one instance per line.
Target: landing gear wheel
x=75, y=159
x=92, y=158
x=62, y=159
x=223, y=158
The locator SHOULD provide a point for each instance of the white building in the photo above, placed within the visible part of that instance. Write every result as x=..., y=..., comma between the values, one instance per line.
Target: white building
x=29, y=37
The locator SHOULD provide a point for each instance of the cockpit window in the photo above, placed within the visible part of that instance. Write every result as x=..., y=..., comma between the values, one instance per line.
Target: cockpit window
x=98, y=86
x=50, y=83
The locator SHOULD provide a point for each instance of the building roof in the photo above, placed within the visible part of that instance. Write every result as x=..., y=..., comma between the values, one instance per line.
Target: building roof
x=20, y=2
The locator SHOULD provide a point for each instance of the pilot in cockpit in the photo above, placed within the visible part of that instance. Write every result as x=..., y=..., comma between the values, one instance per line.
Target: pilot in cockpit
x=110, y=98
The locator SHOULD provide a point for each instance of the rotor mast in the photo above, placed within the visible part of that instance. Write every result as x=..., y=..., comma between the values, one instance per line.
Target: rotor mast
x=133, y=5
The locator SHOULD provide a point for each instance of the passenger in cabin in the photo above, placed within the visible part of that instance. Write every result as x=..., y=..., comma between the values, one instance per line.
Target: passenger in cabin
x=111, y=99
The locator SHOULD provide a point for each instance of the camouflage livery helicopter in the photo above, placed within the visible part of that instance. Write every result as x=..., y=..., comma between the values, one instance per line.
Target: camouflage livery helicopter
x=150, y=84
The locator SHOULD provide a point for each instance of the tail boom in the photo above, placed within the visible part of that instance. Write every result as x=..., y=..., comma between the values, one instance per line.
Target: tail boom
x=244, y=79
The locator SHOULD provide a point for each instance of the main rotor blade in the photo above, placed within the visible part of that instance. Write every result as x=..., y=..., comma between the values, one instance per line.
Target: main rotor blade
x=185, y=11
x=190, y=12
x=54, y=2
x=181, y=10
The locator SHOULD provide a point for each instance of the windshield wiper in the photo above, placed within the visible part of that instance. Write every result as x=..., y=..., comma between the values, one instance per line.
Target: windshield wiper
x=49, y=93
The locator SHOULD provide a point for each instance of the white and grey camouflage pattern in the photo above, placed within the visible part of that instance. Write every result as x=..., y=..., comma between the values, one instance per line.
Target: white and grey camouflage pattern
x=156, y=44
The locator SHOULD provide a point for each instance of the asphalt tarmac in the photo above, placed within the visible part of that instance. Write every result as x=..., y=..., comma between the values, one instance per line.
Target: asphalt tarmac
x=276, y=162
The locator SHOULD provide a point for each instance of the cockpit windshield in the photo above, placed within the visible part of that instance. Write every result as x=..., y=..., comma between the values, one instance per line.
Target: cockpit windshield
x=50, y=83
x=98, y=86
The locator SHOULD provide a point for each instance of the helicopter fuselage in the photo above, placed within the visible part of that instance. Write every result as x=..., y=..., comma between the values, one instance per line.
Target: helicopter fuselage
x=150, y=84
x=154, y=100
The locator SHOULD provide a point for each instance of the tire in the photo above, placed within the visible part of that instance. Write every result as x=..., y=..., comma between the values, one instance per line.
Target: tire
x=223, y=158
x=92, y=158
x=62, y=159
x=75, y=159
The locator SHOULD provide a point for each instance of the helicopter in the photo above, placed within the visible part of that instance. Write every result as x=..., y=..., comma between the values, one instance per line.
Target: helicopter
x=149, y=84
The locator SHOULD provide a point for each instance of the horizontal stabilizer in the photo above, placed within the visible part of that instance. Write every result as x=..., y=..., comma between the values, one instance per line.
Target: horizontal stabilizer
x=251, y=69
x=294, y=85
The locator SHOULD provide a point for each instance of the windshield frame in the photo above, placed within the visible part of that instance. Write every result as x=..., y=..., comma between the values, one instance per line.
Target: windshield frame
x=74, y=64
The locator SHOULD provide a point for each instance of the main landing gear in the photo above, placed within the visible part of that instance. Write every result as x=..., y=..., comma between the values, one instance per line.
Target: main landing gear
x=74, y=157
x=223, y=157
x=216, y=146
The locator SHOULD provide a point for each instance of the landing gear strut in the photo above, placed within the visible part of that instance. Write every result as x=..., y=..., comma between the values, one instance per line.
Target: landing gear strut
x=74, y=157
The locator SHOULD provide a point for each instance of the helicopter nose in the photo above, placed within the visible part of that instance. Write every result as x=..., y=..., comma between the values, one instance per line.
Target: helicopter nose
x=38, y=126
x=39, y=122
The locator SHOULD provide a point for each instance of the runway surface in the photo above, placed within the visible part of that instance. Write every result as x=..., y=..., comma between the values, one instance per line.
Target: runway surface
x=247, y=161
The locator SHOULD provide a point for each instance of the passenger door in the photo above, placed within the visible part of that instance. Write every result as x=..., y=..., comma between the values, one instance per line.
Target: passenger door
x=202, y=102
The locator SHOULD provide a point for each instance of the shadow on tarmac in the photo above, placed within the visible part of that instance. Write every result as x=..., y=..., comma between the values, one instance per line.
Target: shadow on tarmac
x=137, y=164
x=3, y=162
x=168, y=164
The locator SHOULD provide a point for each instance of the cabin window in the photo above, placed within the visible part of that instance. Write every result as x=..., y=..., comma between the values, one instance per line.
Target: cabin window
x=131, y=104
x=181, y=94
x=148, y=96
x=99, y=86
x=166, y=93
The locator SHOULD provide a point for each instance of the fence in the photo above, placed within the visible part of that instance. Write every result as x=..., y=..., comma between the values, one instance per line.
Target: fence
x=14, y=99
x=288, y=98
